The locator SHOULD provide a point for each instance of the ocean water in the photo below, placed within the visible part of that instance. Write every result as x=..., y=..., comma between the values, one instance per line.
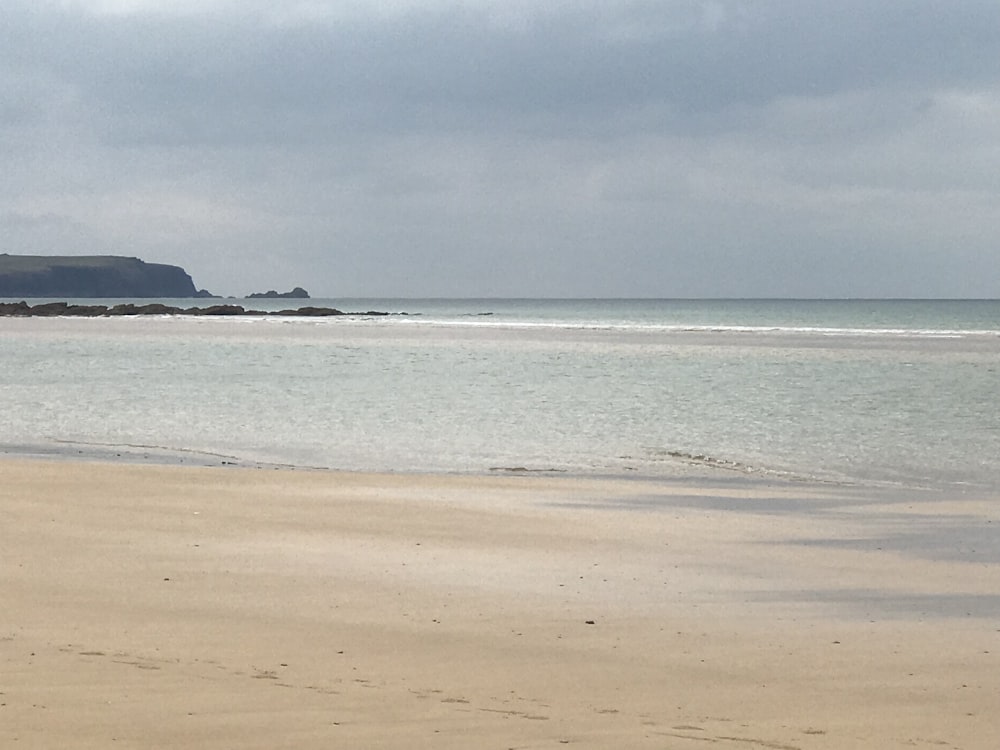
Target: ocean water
x=900, y=393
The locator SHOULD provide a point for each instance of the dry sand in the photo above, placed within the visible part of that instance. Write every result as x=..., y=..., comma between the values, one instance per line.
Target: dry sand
x=156, y=606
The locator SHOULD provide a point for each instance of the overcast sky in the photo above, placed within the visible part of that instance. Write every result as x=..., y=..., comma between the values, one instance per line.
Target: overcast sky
x=651, y=148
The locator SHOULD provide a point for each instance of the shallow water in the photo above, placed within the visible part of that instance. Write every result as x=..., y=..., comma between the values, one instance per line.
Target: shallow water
x=876, y=392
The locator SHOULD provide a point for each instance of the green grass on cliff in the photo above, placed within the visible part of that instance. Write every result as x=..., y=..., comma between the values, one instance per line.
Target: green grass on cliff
x=36, y=263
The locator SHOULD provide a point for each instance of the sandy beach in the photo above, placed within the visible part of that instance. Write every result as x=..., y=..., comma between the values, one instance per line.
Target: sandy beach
x=165, y=606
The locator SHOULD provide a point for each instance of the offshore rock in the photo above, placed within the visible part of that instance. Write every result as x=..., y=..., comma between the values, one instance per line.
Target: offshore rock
x=311, y=312
x=216, y=310
x=297, y=293
x=152, y=309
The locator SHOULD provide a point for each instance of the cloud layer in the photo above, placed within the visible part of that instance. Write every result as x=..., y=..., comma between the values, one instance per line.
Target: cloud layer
x=639, y=148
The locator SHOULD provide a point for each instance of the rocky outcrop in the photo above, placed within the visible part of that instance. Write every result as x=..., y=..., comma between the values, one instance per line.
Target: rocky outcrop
x=297, y=293
x=91, y=276
x=65, y=309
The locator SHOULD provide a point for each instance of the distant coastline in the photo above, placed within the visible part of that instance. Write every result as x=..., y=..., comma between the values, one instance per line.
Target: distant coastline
x=111, y=276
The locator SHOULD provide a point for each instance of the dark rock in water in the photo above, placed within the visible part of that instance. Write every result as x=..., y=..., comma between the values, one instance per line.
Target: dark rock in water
x=152, y=309
x=218, y=310
x=297, y=293
x=54, y=309
x=10, y=309
x=86, y=311
x=90, y=276
x=50, y=308
x=311, y=312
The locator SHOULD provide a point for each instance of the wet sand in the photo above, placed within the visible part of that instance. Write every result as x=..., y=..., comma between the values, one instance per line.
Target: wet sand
x=165, y=606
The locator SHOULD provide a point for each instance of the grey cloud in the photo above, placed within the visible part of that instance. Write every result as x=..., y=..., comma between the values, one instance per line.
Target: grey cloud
x=209, y=79
x=652, y=148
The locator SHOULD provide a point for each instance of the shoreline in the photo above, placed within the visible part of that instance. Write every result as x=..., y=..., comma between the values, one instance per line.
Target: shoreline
x=155, y=605
x=684, y=472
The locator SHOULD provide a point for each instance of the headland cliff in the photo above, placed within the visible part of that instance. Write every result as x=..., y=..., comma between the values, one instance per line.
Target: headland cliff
x=92, y=276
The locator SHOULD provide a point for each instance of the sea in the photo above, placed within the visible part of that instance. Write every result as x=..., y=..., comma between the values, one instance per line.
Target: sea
x=899, y=393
